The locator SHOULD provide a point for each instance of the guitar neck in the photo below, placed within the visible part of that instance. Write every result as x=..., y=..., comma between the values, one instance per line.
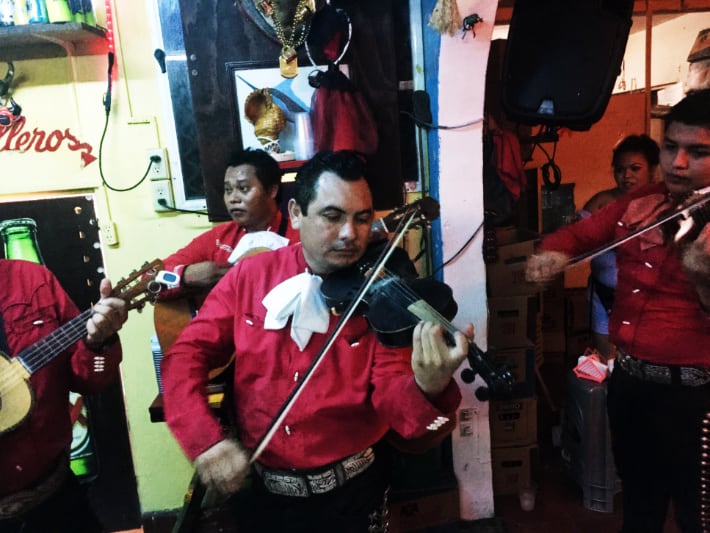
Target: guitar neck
x=43, y=351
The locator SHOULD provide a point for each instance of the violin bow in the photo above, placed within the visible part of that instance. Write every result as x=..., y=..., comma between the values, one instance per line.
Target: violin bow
x=276, y=422
x=683, y=213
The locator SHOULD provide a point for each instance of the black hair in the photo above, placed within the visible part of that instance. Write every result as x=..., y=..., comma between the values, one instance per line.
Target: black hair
x=346, y=164
x=693, y=110
x=637, y=144
x=267, y=169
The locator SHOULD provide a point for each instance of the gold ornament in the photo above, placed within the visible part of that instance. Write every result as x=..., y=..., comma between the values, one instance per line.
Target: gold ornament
x=291, y=35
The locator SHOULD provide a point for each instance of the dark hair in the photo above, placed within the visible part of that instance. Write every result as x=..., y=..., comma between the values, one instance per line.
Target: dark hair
x=637, y=144
x=347, y=164
x=267, y=169
x=693, y=110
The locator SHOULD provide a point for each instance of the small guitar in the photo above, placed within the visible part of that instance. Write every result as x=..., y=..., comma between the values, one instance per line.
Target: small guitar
x=171, y=316
x=16, y=396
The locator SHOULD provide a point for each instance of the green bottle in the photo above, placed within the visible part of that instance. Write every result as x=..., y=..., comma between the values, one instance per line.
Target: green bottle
x=19, y=237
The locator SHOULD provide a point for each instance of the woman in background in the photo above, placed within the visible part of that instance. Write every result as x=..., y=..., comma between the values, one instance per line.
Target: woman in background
x=634, y=162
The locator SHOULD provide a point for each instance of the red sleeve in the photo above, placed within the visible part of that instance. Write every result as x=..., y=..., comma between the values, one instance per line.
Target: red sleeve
x=186, y=365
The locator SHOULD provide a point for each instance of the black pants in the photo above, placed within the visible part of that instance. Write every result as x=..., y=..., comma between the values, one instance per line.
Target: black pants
x=656, y=433
x=66, y=511
x=345, y=509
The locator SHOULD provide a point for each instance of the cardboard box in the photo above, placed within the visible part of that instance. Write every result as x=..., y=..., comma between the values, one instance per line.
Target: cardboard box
x=513, y=321
x=513, y=422
x=576, y=310
x=506, y=277
x=424, y=511
x=520, y=362
x=512, y=468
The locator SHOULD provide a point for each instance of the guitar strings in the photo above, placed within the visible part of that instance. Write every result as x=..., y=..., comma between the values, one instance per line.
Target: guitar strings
x=31, y=357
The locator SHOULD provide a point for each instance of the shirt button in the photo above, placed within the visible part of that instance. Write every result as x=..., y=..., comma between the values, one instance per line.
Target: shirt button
x=649, y=265
x=287, y=430
x=626, y=322
x=636, y=291
x=295, y=377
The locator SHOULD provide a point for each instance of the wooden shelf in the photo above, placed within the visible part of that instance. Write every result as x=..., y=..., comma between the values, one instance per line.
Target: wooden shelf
x=31, y=41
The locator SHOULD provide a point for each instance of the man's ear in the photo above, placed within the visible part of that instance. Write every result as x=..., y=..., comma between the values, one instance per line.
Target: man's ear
x=294, y=213
x=274, y=191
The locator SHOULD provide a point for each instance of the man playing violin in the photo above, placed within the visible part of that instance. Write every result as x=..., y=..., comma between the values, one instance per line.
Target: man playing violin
x=251, y=194
x=318, y=470
x=38, y=491
x=658, y=398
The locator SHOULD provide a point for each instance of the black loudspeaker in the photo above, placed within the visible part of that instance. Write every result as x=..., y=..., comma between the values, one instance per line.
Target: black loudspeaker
x=562, y=59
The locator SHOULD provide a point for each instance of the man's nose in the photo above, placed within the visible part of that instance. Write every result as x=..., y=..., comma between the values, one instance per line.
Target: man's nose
x=347, y=230
x=681, y=159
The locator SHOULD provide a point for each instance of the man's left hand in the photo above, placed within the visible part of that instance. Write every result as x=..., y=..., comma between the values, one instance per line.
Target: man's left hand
x=108, y=316
x=433, y=360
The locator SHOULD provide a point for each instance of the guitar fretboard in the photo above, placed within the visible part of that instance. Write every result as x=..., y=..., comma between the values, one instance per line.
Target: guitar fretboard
x=43, y=351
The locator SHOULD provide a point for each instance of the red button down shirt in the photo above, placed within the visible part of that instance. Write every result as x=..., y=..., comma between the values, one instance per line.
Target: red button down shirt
x=657, y=314
x=360, y=390
x=216, y=245
x=33, y=305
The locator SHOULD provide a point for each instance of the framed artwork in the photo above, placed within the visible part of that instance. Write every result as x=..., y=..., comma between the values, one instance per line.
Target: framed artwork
x=292, y=95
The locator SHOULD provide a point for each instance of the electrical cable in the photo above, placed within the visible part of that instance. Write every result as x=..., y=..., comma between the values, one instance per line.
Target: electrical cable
x=460, y=250
x=164, y=203
x=424, y=124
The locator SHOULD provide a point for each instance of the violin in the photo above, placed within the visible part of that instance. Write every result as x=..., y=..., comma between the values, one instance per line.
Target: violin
x=363, y=289
x=397, y=301
x=682, y=224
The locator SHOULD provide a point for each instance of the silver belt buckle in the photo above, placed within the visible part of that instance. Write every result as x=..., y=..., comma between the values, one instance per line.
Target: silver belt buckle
x=285, y=485
x=323, y=482
x=694, y=377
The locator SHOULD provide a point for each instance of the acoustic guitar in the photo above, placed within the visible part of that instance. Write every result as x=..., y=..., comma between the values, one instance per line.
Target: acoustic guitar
x=16, y=395
x=171, y=316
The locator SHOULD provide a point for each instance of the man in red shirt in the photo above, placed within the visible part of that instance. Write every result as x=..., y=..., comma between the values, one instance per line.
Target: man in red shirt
x=659, y=392
x=251, y=193
x=38, y=491
x=318, y=471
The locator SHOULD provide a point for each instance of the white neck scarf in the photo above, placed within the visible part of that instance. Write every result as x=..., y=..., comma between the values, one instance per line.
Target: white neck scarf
x=301, y=298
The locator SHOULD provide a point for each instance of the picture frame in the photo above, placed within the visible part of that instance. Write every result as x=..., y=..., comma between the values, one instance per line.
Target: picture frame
x=292, y=95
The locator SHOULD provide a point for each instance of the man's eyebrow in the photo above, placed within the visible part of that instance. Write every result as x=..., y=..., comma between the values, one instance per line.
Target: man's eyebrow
x=326, y=208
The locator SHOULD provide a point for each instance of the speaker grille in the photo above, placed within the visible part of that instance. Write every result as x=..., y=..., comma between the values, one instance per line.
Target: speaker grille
x=562, y=59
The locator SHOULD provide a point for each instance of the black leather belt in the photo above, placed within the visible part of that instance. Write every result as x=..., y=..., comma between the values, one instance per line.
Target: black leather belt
x=690, y=376
x=318, y=481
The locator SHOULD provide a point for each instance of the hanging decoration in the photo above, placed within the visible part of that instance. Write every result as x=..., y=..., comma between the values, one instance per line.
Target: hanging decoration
x=267, y=117
x=340, y=117
x=445, y=18
x=291, y=29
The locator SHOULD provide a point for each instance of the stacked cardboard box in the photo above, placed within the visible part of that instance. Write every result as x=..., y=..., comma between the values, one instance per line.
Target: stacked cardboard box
x=514, y=337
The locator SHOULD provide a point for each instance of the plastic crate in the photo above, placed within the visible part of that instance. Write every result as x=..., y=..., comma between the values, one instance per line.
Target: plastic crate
x=586, y=443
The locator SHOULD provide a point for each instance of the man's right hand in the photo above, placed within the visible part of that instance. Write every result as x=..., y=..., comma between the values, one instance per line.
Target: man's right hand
x=544, y=267
x=204, y=275
x=224, y=466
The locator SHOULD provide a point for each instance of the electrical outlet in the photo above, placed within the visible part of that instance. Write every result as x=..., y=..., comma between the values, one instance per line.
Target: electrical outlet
x=109, y=233
x=158, y=160
x=162, y=190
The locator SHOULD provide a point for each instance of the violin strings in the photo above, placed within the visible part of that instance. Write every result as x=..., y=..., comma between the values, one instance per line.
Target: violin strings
x=410, y=297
